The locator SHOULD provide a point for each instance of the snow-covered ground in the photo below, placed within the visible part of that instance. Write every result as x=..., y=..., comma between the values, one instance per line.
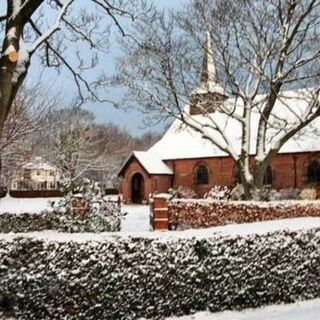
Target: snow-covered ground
x=229, y=230
x=136, y=223
x=136, y=218
x=306, y=310
x=23, y=205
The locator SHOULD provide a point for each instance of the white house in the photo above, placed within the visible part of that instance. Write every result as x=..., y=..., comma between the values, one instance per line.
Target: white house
x=36, y=175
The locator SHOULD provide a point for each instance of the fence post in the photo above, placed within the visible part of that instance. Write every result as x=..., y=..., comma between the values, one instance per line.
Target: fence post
x=159, y=219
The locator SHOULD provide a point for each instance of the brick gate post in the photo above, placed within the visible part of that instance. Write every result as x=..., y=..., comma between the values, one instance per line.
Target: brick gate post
x=159, y=219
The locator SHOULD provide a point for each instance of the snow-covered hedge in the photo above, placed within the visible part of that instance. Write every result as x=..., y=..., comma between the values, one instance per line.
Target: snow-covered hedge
x=129, y=278
x=96, y=221
x=190, y=213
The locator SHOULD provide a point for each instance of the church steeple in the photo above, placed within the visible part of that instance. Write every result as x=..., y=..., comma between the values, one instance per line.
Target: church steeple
x=208, y=72
x=209, y=93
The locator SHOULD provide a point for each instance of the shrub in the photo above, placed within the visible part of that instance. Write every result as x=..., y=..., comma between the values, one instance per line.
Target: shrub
x=288, y=194
x=308, y=194
x=108, y=219
x=130, y=278
x=219, y=193
x=237, y=192
x=183, y=192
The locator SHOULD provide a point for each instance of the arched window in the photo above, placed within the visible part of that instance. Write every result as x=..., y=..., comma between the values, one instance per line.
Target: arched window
x=202, y=175
x=313, y=172
x=268, y=176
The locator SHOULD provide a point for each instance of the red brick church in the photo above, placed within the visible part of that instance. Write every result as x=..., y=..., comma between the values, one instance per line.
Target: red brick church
x=183, y=158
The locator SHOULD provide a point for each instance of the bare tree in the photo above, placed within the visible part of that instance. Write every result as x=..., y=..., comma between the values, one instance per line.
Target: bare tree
x=114, y=145
x=71, y=143
x=262, y=49
x=81, y=148
x=58, y=32
x=24, y=121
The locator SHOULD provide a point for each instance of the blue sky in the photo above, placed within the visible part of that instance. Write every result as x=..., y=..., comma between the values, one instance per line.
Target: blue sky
x=131, y=120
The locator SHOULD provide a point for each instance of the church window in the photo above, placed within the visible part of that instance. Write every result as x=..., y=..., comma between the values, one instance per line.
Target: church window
x=268, y=178
x=202, y=175
x=313, y=172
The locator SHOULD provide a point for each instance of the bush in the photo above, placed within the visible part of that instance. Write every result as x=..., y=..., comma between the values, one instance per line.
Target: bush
x=288, y=194
x=183, y=192
x=218, y=193
x=308, y=194
x=237, y=192
x=108, y=219
x=129, y=278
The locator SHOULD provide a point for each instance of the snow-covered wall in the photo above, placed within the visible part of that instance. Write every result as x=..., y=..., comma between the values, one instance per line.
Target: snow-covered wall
x=190, y=213
x=128, y=278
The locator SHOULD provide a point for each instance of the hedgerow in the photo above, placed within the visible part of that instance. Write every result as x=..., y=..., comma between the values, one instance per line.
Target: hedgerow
x=128, y=278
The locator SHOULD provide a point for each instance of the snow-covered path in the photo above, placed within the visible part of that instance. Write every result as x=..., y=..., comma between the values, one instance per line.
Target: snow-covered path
x=136, y=219
x=306, y=310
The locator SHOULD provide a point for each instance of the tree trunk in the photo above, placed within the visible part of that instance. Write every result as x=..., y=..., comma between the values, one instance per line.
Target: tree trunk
x=252, y=187
x=2, y=121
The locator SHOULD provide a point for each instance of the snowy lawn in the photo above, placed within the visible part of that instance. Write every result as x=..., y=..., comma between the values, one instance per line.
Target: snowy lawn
x=136, y=218
x=25, y=205
x=305, y=310
x=136, y=222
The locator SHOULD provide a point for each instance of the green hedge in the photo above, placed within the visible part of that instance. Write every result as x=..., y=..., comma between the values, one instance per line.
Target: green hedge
x=129, y=278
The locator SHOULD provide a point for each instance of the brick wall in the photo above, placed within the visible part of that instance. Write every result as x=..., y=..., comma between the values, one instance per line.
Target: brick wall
x=152, y=183
x=289, y=170
x=126, y=184
x=221, y=172
x=187, y=213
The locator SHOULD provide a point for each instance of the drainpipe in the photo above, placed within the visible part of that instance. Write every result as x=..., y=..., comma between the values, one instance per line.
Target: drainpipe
x=295, y=170
x=221, y=177
x=174, y=173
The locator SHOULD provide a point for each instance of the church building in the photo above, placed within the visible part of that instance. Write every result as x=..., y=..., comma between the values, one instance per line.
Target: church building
x=183, y=158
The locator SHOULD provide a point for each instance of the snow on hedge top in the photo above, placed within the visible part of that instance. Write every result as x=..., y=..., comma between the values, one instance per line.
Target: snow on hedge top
x=182, y=142
x=39, y=164
x=244, y=229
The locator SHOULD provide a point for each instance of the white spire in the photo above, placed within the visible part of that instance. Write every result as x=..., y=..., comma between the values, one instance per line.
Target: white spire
x=208, y=79
x=208, y=73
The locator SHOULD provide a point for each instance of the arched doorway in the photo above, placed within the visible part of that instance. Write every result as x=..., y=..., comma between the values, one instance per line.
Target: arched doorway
x=137, y=188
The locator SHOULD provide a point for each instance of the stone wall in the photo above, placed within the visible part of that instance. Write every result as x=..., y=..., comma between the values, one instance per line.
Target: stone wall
x=126, y=278
x=209, y=213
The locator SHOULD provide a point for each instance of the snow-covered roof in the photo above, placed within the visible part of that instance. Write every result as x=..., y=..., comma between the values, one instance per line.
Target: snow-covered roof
x=39, y=164
x=150, y=161
x=182, y=142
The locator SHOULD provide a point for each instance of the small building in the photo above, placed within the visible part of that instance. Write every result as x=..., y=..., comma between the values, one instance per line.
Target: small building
x=36, y=175
x=184, y=158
